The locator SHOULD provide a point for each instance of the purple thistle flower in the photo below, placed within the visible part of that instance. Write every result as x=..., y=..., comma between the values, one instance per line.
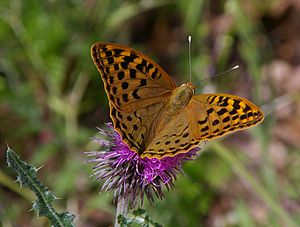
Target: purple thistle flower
x=130, y=176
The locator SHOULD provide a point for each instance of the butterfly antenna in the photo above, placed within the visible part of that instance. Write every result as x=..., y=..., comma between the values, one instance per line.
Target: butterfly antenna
x=220, y=74
x=190, y=63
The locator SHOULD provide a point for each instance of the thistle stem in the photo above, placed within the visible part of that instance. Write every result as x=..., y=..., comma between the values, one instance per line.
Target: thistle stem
x=122, y=209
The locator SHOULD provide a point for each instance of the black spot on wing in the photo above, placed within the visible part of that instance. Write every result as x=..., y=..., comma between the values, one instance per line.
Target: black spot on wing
x=116, y=67
x=215, y=122
x=246, y=109
x=221, y=111
x=226, y=127
x=110, y=60
x=204, y=129
x=125, y=97
x=216, y=131
x=250, y=114
x=124, y=85
x=135, y=95
x=132, y=73
x=233, y=112
x=212, y=99
x=226, y=119
x=124, y=126
x=185, y=135
x=114, y=90
x=202, y=122
x=143, y=82
x=209, y=111
x=167, y=142
x=117, y=52
x=121, y=75
x=236, y=104
x=149, y=66
x=124, y=65
x=154, y=74
x=235, y=117
x=244, y=116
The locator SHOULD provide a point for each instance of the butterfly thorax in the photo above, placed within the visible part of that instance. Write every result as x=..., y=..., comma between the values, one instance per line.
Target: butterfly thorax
x=178, y=100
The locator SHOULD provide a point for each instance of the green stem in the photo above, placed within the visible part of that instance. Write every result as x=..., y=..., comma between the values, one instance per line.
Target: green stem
x=240, y=170
x=122, y=209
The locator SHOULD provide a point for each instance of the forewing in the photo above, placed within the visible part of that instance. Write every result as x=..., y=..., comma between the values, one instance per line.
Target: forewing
x=132, y=81
x=136, y=87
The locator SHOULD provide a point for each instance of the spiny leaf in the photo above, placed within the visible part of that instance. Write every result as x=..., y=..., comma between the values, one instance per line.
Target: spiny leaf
x=27, y=176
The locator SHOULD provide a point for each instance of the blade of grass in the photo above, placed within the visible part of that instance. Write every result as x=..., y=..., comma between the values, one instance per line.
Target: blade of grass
x=241, y=171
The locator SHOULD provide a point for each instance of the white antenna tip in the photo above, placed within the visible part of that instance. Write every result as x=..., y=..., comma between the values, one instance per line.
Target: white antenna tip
x=235, y=67
x=190, y=38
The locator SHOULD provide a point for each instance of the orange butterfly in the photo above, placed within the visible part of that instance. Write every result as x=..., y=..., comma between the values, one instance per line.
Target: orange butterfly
x=154, y=117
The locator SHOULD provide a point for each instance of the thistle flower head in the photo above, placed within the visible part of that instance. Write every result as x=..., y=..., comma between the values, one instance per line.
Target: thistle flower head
x=128, y=175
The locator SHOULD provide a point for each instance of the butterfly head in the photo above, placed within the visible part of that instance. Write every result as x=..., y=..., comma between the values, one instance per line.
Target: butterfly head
x=189, y=85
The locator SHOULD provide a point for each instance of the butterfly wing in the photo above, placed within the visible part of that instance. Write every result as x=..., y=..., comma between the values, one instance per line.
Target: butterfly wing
x=132, y=80
x=136, y=88
x=207, y=116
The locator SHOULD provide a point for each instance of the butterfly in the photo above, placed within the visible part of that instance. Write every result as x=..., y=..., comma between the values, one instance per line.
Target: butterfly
x=153, y=116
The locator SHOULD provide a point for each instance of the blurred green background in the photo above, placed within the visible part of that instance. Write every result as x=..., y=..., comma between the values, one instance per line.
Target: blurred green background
x=52, y=99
